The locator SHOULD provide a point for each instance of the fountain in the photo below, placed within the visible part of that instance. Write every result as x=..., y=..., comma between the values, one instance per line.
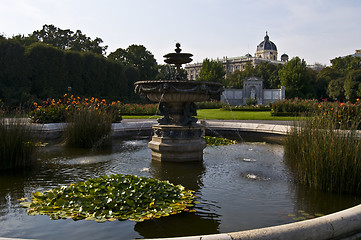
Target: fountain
x=177, y=137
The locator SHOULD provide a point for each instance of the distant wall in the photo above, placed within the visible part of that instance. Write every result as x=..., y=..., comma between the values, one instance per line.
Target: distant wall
x=236, y=97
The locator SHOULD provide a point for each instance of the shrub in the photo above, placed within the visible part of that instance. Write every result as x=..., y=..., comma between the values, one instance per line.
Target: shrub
x=212, y=104
x=251, y=101
x=136, y=109
x=254, y=108
x=88, y=128
x=17, y=144
x=321, y=156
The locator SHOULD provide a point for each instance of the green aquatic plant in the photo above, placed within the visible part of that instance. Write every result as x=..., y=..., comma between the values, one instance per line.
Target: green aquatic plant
x=88, y=128
x=216, y=141
x=109, y=198
x=17, y=144
x=322, y=156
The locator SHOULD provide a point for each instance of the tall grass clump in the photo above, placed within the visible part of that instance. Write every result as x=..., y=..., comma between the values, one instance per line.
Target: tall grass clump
x=88, y=128
x=323, y=156
x=17, y=144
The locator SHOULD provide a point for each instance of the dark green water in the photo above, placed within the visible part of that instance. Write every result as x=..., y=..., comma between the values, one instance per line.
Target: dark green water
x=239, y=187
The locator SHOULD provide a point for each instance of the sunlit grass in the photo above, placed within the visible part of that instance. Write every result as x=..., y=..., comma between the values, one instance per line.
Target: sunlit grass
x=225, y=115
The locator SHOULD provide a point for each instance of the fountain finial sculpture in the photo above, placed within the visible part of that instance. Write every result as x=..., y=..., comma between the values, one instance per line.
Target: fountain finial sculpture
x=178, y=59
x=177, y=137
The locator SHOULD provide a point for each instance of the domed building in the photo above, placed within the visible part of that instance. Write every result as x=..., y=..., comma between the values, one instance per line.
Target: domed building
x=267, y=49
x=266, y=52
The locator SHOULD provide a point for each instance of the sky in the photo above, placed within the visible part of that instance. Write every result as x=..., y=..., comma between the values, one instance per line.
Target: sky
x=314, y=30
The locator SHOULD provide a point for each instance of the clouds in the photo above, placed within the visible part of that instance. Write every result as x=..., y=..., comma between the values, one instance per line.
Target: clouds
x=316, y=30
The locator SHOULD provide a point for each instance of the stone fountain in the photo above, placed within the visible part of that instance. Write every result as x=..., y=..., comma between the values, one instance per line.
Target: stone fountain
x=178, y=137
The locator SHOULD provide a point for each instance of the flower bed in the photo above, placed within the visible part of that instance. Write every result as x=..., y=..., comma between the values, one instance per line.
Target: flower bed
x=344, y=115
x=53, y=111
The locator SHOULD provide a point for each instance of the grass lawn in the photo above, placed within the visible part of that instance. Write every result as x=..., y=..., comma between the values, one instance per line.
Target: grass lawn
x=226, y=115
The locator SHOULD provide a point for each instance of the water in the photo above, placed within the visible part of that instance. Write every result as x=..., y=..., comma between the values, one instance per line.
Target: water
x=239, y=187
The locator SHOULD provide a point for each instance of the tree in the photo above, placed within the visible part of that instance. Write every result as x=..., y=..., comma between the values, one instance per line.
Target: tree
x=335, y=89
x=269, y=73
x=211, y=71
x=139, y=57
x=346, y=64
x=168, y=72
x=352, y=84
x=296, y=78
x=14, y=73
x=68, y=40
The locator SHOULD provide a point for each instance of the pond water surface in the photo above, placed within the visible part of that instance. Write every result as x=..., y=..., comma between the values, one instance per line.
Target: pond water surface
x=239, y=187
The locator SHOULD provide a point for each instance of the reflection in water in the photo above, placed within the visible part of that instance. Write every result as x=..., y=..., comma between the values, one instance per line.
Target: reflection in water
x=314, y=202
x=238, y=187
x=187, y=174
x=184, y=224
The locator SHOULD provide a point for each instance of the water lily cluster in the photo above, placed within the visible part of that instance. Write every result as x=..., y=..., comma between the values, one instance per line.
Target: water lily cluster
x=217, y=141
x=110, y=198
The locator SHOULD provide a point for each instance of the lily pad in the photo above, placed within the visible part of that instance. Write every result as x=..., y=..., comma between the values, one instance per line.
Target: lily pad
x=109, y=198
x=216, y=141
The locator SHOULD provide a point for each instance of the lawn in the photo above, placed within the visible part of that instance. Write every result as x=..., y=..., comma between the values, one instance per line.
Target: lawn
x=226, y=115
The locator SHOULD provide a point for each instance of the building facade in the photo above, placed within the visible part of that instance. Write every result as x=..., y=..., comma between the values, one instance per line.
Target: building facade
x=252, y=89
x=266, y=52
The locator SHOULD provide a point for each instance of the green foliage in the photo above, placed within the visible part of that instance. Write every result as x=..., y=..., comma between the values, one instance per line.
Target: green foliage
x=216, y=141
x=138, y=57
x=137, y=109
x=211, y=71
x=343, y=115
x=345, y=64
x=88, y=128
x=168, y=72
x=212, y=104
x=296, y=78
x=353, y=84
x=251, y=101
x=15, y=85
x=324, y=158
x=109, y=198
x=322, y=85
x=65, y=39
x=247, y=108
x=17, y=144
x=265, y=70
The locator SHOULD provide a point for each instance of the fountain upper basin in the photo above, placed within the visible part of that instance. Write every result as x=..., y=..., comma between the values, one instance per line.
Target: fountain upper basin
x=178, y=90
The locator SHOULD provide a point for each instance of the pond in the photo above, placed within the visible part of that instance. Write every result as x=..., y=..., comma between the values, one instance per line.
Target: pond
x=238, y=187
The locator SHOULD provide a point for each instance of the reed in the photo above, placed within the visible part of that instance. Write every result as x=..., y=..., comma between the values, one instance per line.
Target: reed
x=17, y=144
x=323, y=156
x=88, y=128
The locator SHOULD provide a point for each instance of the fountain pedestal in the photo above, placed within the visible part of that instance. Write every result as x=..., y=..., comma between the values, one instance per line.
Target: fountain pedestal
x=174, y=143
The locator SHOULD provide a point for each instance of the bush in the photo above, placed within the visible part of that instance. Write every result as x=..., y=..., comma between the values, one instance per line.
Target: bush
x=212, y=104
x=323, y=157
x=17, y=144
x=255, y=108
x=251, y=101
x=88, y=128
x=136, y=109
x=343, y=115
